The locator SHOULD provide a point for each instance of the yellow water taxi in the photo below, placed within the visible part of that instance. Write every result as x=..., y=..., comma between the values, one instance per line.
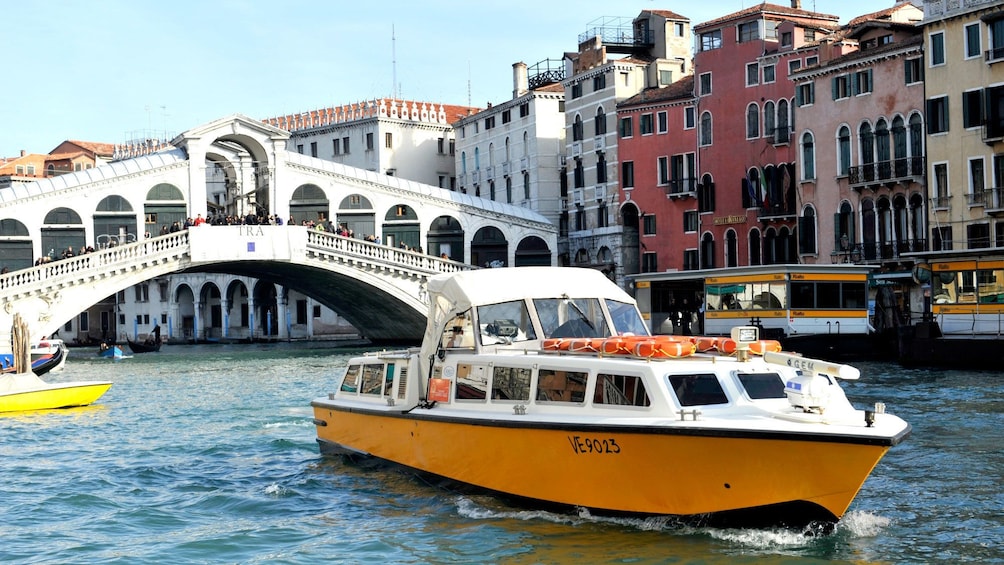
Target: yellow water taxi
x=613, y=421
x=25, y=391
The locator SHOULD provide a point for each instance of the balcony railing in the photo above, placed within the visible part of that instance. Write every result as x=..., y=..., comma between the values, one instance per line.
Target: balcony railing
x=781, y=135
x=906, y=169
x=888, y=250
x=993, y=200
x=682, y=187
x=994, y=55
x=941, y=202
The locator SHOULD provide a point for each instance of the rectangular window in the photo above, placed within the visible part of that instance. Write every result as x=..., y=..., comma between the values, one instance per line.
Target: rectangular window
x=862, y=82
x=812, y=61
x=752, y=74
x=794, y=65
x=620, y=390
x=299, y=148
x=369, y=141
x=626, y=127
x=690, y=221
x=558, y=385
x=441, y=146
x=313, y=149
x=511, y=383
x=388, y=140
x=978, y=236
x=663, y=164
x=994, y=118
x=645, y=124
x=805, y=94
x=913, y=70
x=749, y=31
x=941, y=185
x=977, y=180
x=840, y=87
x=665, y=77
x=648, y=224
x=786, y=39
x=577, y=90
x=689, y=117
x=690, y=260
x=649, y=262
x=973, y=47
x=524, y=109
x=336, y=146
x=663, y=119
x=599, y=82
x=19, y=169
x=768, y=74
x=345, y=145
x=972, y=109
x=627, y=174
x=506, y=116
x=489, y=122
x=996, y=51
x=711, y=40
x=937, y=115
x=937, y=52
x=705, y=86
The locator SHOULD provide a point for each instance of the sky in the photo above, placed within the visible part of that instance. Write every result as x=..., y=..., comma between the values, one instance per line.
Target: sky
x=111, y=71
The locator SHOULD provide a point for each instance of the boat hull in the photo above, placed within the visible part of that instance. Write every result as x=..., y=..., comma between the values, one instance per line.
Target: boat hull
x=771, y=477
x=53, y=396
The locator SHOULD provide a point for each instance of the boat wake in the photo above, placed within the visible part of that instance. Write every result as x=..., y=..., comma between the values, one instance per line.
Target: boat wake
x=856, y=524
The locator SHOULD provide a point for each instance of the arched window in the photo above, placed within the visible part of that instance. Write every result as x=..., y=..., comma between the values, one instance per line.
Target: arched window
x=731, y=249
x=807, y=231
x=708, y=251
x=752, y=121
x=768, y=118
x=706, y=129
x=899, y=147
x=601, y=121
x=508, y=156
x=477, y=159
x=882, y=153
x=754, y=247
x=916, y=145
x=884, y=218
x=868, y=225
x=526, y=144
x=577, y=128
x=900, y=226
x=808, y=157
x=491, y=154
x=866, y=143
x=843, y=150
x=843, y=229
x=781, y=134
x=917, y=227
x=463, y=162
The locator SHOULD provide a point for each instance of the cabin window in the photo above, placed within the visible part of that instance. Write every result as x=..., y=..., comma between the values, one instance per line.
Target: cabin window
x=698, y=390
x=620, y=390
x=511, y=383
x=471, y=383
x=459, y=332
x=762, y=385
x=571, y=317
x=626, y=319
x=372, y=379
x=388, y=382
x=506, y=322
x=350, y=382
x=554, y=385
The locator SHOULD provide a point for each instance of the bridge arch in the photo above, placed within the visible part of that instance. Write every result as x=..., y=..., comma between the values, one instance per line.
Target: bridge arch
x=114, y=221
x=62, y=229
x=164, y=205
x=532, y=251
x=355, y=214
x=446, y=237
x=489, y=248
x=309, y=203
x=15, y=245
x=401, y=227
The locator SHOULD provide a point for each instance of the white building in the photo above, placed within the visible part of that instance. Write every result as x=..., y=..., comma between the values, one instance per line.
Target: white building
x=514, y=152
x=409, y=139
x=654, y=49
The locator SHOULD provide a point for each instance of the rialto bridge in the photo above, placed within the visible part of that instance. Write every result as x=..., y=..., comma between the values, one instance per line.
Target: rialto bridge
x=240, y=167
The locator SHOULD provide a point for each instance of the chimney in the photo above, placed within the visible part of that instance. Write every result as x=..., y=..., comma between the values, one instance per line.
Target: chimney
x=23, y=152
x=796, y=4
x=520, y=83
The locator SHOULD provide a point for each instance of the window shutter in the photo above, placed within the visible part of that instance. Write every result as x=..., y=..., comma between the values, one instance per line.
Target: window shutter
x=907, y=71
x=833, y=87
x=854, y=87
x=798, y=97
x=836, y=232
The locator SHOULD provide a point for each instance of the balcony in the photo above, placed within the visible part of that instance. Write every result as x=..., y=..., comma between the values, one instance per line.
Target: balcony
x=505, y=168
x=576, y=149
x=993, y=201
x=548, y=71
x=873, y=175
x=489, y=172
x=599, y=143
x=620, y=35
x=682, y=188
x=780, y=135
x=878, y=251
x=524, y=163
x=941, y=202
x=994, y=55
x=475, y=177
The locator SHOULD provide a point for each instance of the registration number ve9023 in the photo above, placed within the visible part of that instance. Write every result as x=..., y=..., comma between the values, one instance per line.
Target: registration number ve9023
x=593, y=445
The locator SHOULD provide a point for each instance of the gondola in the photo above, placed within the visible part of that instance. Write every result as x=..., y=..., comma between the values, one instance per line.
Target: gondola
x=150, y=345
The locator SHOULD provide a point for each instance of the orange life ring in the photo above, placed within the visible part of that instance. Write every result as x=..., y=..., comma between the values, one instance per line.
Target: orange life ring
x=762, y=346
x=586, y=345
x=556, y=344
x=623, y=345
x=664, y=348
x=705, y=343
x=726, y=345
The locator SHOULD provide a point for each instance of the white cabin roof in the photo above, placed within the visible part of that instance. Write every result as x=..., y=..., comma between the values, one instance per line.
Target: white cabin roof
x=490, y=286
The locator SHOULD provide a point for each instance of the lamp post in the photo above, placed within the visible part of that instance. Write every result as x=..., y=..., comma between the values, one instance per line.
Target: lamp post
x=849, y=252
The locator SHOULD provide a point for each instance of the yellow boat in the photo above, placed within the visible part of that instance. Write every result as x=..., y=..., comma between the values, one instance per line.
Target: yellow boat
x=735, y=439
x=25, y=391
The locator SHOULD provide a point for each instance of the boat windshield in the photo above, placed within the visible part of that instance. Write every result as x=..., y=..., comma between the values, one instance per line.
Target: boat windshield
x=571, y=317
x=505, y=322
x=627, y=320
